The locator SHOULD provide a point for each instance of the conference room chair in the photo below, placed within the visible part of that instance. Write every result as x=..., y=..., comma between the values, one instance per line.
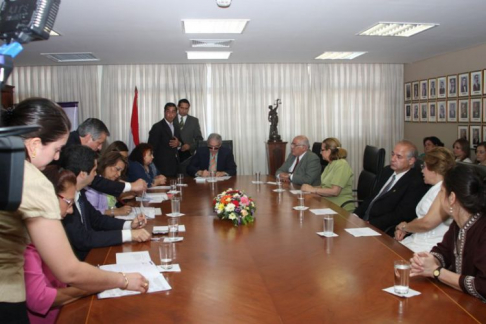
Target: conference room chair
x=316, y=148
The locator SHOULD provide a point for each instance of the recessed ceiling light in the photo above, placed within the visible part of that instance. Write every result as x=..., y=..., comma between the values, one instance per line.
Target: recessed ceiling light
x=191, y=55
x=54, y=33
x=220, y=43
x=339, y=55
x=396, y=29
x=214, y=26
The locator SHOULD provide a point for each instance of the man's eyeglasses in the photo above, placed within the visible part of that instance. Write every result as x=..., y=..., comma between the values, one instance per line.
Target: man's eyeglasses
x=295, y=145
x=67, y=201
x=213, y=148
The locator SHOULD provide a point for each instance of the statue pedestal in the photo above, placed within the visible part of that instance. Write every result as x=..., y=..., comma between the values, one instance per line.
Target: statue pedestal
x=275, y=156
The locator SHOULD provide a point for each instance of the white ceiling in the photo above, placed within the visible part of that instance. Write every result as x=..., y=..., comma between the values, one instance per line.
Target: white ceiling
x=279, y=31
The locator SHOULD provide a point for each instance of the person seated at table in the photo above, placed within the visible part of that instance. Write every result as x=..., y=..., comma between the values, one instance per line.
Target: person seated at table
x=431, y=223
x=481, y=153
x=214, y=157
x=141, y=166
x=337, y=178
x=301, y=166
x=398, y=191
x=459, y=260
x=110, y=166
x=430, y=142
x=117, y=146
x=86, y=227
x=462, y=151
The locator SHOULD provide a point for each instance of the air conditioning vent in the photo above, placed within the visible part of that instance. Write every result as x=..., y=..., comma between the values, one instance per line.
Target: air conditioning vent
x=71, y=57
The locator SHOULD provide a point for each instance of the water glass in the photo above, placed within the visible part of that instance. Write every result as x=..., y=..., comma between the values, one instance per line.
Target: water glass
x=301, y=202
x=257, y=177
x=165, y=253
x=173, y=226
x=279, y=184
x=180, y=178
x=402, y=277
x=328, y=224
x=173, y=184
x=175, y=205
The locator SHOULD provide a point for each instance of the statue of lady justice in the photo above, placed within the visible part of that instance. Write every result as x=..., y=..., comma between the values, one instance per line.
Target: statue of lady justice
x=273, y=119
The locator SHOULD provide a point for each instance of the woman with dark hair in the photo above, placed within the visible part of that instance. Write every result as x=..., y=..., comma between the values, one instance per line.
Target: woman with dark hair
x=337, y=177
x=111, y=166
x=39, y=212
x=481, y=153
x=459, y=260
x=117, y=146
x=461, y=150
x=141, y=166
x=430, y=142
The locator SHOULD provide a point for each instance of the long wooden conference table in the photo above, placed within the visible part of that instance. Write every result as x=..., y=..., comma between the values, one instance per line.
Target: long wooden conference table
x=276, y=270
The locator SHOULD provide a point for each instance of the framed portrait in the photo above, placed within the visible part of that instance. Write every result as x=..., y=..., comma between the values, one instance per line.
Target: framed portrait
x=424, y=109
x=408, y=91
x=464, y=85
x=416, y=113
x=484, y=88
x=441, y=112
x=432, y=112
x=452, y=111
x=441, y=85
x=408, y=112
x=476, y=110
x=463, y=132
x=484, y=133
x=476, y=83
x=484, y=112
x=415, y=93
x=475, y=135
x=423, y=90
x=432, y=88
x=452, y=86
x=464, y=110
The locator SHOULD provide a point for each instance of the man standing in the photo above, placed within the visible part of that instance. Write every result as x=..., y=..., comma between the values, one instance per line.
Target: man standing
x=189, y=129
x=165, y=138
x=399, y=190
x=302, y=165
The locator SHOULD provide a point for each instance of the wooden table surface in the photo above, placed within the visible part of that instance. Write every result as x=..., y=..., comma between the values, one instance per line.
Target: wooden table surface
x=276, y=270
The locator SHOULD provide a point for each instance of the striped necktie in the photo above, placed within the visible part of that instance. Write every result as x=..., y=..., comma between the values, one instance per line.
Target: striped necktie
x=384, y=191
x=181, y=123
x=212, y=162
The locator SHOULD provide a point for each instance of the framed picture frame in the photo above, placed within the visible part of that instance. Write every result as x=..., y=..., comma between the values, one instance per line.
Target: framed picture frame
x=441, y=111
x=484, y=88
x=442, y=85
x=408, y=91
x=432, y=88
x=463, y=110
x=452, y=86
x=432, y=112
x=476, y=110
x=452, y=111
x=484, y=110
x=415, y=93
x=423, y=90
x=424, y=112
x=408, y=112
x=484, y=133
x=464, y=85
x=416, y=112
x=476, y=83
x=475, y=135
x=463, y=132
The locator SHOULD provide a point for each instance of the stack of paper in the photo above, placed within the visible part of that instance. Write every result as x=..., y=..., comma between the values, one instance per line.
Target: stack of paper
x=325, y=211
x=362, y=231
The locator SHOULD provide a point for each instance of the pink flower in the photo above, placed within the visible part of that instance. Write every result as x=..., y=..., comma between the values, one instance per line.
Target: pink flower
x=244, y=201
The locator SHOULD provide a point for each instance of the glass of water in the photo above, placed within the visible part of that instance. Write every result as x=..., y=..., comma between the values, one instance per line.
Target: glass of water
x=328, y=223
x=173, y=226
x=173, y=184
x=166, y=253
x=402, y=277
x=175, y=205
x=180, y=178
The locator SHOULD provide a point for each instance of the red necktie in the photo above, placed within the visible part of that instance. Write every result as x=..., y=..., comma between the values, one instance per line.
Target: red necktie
x=295, y=166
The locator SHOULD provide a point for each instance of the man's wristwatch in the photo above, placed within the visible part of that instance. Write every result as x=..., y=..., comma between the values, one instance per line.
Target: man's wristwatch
x=436, y=272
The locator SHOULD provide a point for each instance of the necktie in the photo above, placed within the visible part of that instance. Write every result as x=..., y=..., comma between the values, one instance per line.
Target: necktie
x=182, y=122
x=82, y=211
x=384, y=191
x=295, y=166
x=212, y=163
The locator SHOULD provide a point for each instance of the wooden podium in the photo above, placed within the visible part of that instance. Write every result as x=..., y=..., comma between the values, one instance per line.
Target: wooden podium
x=275, y=155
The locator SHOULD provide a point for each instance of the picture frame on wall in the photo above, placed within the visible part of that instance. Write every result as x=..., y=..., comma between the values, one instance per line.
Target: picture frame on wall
x=415, y=94
x=432, y=112
x=464, y=85
x=463, y=132
x=423, y=90
x=484, y=110
x=463, y=110
x=476, y=83
x=441, y=84
x=408, y=112
x=452, y=111
x=484, y=133
x=416, y=113
x=476, y=110
x=475, y=135
x=424, y=109
x=441, y=112
x=484, y=88
x=452, y=86
x=408, y=91
x=432, y=88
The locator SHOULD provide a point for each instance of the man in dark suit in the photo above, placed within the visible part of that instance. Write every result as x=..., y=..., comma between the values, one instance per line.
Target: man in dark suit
x=165, y=138
x=189, y=129
x=302, y=165
x=86, y=227
x=399, y=190
x=214, y=157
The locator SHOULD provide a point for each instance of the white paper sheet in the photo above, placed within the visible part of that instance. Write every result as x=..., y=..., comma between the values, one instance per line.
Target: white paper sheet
x=160, y=187
x=296, y=192
x=201, y=179
x=165, y=229
x=325, y=211
x=326, y=234
x=271, y=182
x=151, y=212
x=157, y=197
x=411, y=292
x=362, y=231
x=132, y=257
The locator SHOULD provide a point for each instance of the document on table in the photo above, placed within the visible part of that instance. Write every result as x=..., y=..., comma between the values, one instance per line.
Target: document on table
x=150, y=213
x=157, y=197
x=201, y=179
x=149, y=270
x=165, y=229
x=132, y=257
x=271, y=182
x=160, y=187
x=362, y=231
x=296, y=192
x=325, y=211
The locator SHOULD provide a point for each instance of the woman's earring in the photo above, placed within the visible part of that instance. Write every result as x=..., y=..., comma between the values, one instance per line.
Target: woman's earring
x=450, y=210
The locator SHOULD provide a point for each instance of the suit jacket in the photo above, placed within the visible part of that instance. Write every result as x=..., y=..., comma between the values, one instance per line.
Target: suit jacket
x=166, y=158
x=200, y=161
x=398, y=204
x=98, y=230
x=190, y=134
x=308, y=171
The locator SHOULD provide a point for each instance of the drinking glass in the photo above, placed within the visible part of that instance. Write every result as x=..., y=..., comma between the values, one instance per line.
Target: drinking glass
x=165, y=253
x=257, y=177
x=212, y=176
x=301, y=203
x=173, y=184
x=328, y=224
x=144, y=204
x=279, y=184
x=180, y=178
x=402, y=276
x=175, y=205
x=173, y=226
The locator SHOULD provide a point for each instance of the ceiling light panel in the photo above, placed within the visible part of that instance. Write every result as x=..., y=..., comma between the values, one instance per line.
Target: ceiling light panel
x=195, y=55
x=215, y=43
x=396, y=29
x=214, y=26
x=339, y=55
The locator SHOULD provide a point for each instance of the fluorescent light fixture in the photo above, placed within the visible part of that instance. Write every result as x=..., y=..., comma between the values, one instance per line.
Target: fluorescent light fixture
x=208, y=43
x=396, y=29
x=54, y=33
x=193, y=55
x=214, y=26
x=339, y=55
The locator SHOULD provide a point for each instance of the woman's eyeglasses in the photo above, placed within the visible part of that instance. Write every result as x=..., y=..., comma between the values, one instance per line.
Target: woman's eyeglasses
x=67, y=201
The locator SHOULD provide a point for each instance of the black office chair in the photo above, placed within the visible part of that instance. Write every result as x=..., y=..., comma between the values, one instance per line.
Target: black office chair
x=316, y=148
x=226, y=143
x=373, y=162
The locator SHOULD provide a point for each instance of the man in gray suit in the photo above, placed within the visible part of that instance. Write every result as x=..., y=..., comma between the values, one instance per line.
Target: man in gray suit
x=302, y=165
x=189, y=129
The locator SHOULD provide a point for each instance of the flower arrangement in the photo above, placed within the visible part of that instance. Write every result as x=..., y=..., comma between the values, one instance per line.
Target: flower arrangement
x=234, y=205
